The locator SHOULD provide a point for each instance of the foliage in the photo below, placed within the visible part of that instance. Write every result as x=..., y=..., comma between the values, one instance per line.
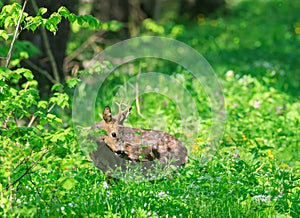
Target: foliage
x=255, y=173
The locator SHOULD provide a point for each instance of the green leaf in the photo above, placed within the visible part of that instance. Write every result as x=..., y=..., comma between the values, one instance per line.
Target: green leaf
x=138, y=132
x=54, y=118
x=52, y=22
x=16, y=74
x=24, y=54
x=64, y=12
x=61, y=99
x=111, y=26
x=59, y=151
x=72, y=18
x=72, y=82
x=42, y=104
x=57, y=87
x=42, y=11
x=28, y=75
x=69, y=183
x=80, y=20
x=4, y=72
x=144, y=146
x=39, y=114
x=3, y=34
x=33, y=22
x=92, y=21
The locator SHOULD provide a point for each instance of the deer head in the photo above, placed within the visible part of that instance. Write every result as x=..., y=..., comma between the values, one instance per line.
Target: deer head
x=114, y=127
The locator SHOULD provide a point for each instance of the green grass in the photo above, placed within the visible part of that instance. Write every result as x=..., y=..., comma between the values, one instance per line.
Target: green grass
x=254, y=49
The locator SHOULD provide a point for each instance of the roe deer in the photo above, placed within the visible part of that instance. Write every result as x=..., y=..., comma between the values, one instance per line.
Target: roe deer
x=138, y=145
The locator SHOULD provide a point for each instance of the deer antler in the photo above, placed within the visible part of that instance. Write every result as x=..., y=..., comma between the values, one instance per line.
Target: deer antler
x=122, y=115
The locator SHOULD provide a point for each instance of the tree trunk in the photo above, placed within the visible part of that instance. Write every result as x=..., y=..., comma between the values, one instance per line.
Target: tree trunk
x=107, y=10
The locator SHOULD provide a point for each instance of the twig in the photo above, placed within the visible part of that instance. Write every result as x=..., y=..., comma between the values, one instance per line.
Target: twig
x=48, y=49
x=40, y=70
x=21, y=162
x=137, y=94
x=34, y=117
x=80, y=49
x=15, y=35
x=50, y=109
x=6, y=120
x=27, y=85
x=31, y=121
x=50, y=55
x=26, y=172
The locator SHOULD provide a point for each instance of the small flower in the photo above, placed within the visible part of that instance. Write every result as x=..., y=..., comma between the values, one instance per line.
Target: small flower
x=256, y=104
x=229, y=73
x=280, y=109
x=262, y=198
x=161, y=194
x=195, y=147
x=62, y=208
x=199, y=139
x=270, y=154
x=105, y=185
x=244, y=137
x=132, y=210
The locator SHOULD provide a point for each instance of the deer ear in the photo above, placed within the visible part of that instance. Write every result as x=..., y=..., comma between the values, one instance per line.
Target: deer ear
x=107, y=114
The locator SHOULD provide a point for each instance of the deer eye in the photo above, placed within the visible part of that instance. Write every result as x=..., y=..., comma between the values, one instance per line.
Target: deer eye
x=113, y=134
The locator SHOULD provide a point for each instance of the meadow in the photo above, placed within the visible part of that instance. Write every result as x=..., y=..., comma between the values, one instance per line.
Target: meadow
x=254, y=51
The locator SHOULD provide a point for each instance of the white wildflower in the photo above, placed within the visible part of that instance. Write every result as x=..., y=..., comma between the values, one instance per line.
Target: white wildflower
x=262, y=198
x=161, y=194
x=229, y=73
x=105, y=184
